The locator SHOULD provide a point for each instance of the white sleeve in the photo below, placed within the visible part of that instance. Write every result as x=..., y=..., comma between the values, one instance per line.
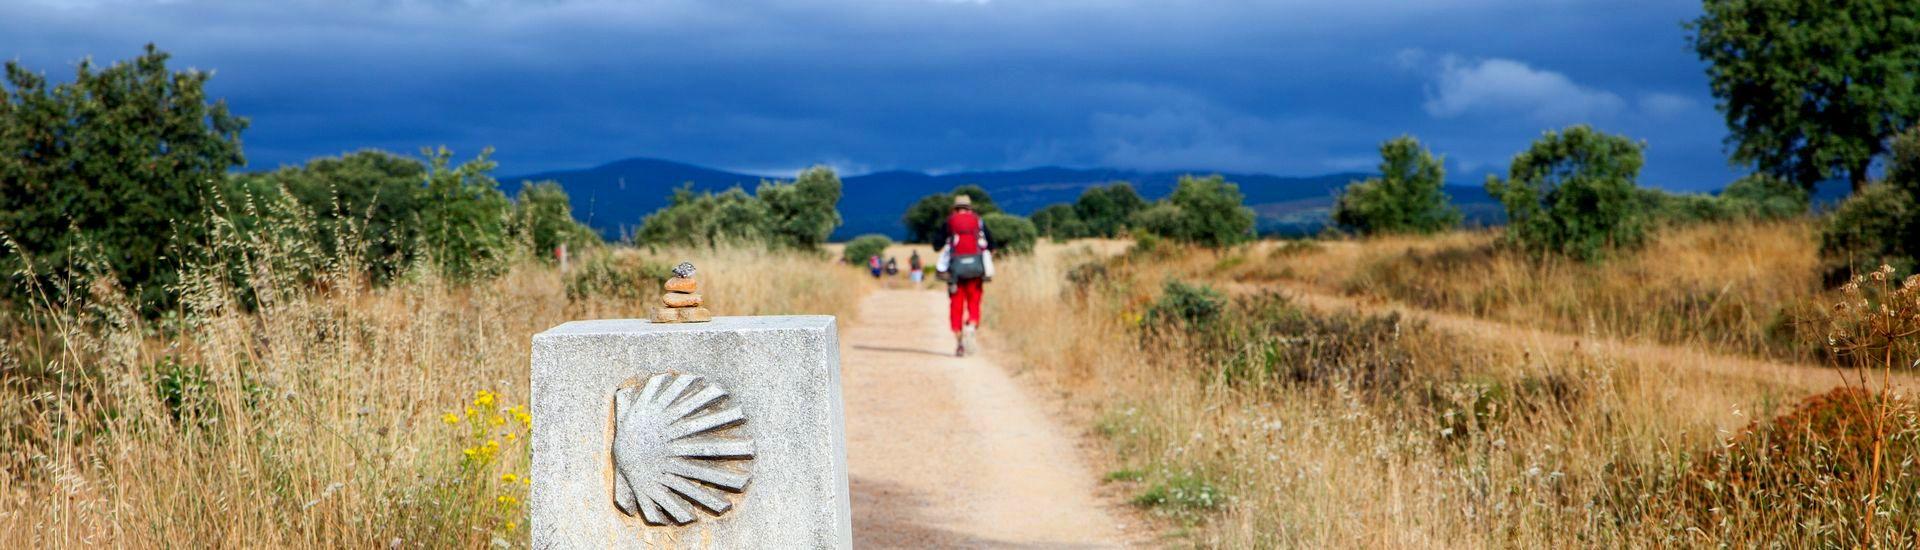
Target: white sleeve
x=986, y=257
x=946, y=254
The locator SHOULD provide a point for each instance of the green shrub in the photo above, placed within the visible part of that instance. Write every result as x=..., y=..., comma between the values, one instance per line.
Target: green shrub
x=863, y=247
x=1877, y=225
x=1662, y=207
x=1208, y=211
x=624, y=277
x=464, y=216
x=1182, y=306
x=1408, y=197
x=1765, y=197
x=1104, y=210
x=1011, y=234
x=1573, y=193
x=543, y=217
x=1059, y=222
x=116, y=161
x=800, y=215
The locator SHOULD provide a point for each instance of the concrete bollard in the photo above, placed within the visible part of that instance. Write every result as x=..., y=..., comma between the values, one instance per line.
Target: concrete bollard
x=726, y=434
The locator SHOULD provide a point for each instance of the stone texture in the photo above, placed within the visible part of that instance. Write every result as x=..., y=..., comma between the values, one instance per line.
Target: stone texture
x=781, y=374
x=684, y=270
x=664, y=315
x=695, y=315
x=680, y=299
x=682, y=284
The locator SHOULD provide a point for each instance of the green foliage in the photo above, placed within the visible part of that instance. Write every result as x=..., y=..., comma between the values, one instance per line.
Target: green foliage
x=122, y=158
x=624, y=277
x=1105, y=210
x=863, y=247
x=926, y=220
x=802, y=214
x=796, y=215
x=1812, y=89
x=1573, y=193
x=1059, y=222
x=1182, y=306
x=1011, y=234
x=463, y=216
x=1183, y=495
x=1406, y=198
x=1880, y=224
x=1207, y=211
x=364, y=204
x=543, y=217
x=706, y=219
x=1765, y=197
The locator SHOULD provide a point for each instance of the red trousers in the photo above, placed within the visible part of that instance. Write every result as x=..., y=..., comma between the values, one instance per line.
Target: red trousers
x=963, y=304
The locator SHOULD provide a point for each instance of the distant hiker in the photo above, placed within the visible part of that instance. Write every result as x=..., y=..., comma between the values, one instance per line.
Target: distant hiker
x=893, y=267
x=873, y=264
x=913, y=263
x=966, y=263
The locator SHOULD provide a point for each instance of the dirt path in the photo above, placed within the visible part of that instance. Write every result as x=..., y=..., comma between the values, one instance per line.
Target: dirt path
x=947, y=452
x=1812, y=378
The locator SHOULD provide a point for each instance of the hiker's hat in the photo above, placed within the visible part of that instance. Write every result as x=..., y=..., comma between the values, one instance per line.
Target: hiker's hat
x=962, y=201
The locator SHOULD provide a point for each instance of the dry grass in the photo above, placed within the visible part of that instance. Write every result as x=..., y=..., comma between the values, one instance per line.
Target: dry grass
x=319, y=417
x=1745, y=288
x=1483, y=442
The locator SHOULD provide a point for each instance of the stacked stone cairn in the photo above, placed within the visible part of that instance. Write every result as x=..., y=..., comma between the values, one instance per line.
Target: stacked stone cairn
x=682, y=299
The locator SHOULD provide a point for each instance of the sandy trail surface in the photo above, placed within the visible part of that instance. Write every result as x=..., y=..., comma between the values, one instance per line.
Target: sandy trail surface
x=947, y=452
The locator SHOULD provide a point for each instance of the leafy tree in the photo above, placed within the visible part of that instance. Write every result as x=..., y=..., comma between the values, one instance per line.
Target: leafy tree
x=796, y=215
x=1010, y=234
x=543, y=217
x=369, y=198
x=121, y=158
x=1207, y=211
x=463, y=215
x=706, y=219
x=863, y=247
x=926, y=220
x=1812, y=89
x=1881, y=224
x=803, y=213
x=1059, y=221
x=1573, y=192
x=1105, y=210
x=1406, y=198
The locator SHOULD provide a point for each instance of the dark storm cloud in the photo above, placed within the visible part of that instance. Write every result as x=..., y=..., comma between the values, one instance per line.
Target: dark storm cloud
x=1291, y=87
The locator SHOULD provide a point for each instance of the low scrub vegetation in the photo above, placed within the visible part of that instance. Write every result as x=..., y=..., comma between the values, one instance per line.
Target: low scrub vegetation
x=1244, y=418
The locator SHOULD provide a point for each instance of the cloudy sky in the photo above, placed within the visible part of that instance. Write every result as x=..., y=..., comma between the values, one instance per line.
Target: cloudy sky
x=1294, y=87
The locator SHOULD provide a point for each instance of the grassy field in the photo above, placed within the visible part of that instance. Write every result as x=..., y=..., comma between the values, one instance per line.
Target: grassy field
x=1244, y=418
x=1254, y=397
x=325, y=415
x=1749, y=288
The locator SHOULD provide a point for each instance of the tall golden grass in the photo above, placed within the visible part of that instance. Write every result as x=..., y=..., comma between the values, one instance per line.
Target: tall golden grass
x=1741, y=287
x=1487, y=442
x=329, y=414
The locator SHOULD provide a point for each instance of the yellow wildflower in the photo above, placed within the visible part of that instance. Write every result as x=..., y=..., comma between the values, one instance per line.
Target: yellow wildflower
x=450, y=418
x=483, y=398
x=509, y=478
x=496, y=420
x=507, y=500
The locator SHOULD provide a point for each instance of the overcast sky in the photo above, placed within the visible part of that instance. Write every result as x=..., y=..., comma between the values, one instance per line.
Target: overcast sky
x=1292, y=87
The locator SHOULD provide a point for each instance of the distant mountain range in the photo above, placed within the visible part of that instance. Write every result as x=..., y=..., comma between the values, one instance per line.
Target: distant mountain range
x=613, y=197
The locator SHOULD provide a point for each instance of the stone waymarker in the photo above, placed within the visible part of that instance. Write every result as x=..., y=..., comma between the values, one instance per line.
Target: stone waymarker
x=724, y=434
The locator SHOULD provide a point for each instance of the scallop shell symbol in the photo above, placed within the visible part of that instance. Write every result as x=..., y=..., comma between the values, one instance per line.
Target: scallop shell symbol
x=672, y=450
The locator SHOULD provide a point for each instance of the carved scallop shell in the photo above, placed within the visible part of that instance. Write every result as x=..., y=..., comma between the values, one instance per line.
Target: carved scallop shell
x=673, y=449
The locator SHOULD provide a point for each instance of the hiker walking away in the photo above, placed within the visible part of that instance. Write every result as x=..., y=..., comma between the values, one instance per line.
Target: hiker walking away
x=913, y=263
x=873, y=264
x=893, y=267
x=966, y=263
